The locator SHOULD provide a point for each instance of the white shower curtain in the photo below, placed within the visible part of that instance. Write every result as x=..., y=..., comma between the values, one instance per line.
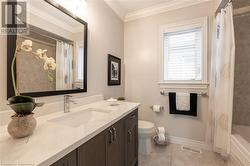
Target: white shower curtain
x=222, y=79
x=64, y=73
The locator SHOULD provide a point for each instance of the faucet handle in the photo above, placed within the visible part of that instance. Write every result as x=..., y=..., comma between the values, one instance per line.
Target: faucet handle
x=72, y=101
x=67, y=96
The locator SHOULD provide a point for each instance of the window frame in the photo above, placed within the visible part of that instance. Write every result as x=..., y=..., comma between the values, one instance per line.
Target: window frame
x=182, y=26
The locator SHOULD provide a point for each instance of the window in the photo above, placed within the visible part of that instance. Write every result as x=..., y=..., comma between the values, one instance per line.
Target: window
x=80, y=62
x=184, y=52
x=182, y=55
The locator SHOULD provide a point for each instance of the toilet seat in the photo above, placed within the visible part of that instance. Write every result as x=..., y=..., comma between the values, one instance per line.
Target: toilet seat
x=145, y=127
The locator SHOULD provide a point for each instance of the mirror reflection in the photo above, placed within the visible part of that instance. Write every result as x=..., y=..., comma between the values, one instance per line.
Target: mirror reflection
x=57, y=58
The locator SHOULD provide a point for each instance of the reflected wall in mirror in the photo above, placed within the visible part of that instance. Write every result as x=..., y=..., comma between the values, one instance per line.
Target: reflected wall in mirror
x=59, y=44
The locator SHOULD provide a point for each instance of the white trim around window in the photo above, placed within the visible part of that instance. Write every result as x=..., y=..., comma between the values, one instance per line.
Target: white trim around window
x=182, y=26
x=78, y=46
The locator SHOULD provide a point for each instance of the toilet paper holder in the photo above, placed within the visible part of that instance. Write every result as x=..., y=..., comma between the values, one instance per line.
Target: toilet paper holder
x=161, y=108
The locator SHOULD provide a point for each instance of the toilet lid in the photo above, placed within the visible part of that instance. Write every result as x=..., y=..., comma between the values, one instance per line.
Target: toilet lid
x=145, y=125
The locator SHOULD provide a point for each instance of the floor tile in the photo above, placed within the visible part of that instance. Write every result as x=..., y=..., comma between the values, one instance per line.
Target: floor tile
x=174, y=155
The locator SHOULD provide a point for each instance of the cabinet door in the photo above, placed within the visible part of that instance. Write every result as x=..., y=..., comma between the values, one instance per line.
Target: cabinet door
x=93, y=152
x=131, y=145
x=115, y=144
x=68, y=160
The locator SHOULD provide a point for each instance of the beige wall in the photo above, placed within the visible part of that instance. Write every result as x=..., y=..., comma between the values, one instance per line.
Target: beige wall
x=105, y=36
x=141, y=61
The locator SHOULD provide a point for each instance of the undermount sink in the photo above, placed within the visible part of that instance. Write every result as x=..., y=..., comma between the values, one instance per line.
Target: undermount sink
x=100, y=110
x=76, y=119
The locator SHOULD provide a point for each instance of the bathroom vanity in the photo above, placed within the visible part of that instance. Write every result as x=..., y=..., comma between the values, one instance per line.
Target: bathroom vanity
x=115, y=146
x=94, y=134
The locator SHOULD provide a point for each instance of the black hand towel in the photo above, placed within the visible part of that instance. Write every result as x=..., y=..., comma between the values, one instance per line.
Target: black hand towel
x=193, y=105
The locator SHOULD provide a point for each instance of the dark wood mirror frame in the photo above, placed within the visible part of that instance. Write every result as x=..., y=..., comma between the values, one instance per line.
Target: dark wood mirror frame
x=11, y=46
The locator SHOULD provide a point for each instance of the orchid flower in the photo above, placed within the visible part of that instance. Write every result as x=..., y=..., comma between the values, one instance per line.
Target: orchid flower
x=49, y=64
x=26, y=45
x=41, y=54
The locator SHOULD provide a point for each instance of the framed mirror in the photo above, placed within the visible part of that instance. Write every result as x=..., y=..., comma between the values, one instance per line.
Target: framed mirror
x=57, y=63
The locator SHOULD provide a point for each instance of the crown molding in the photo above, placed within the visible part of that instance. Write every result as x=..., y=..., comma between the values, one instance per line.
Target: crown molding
x=51, y=19
x=160, y=8
x=116, y=8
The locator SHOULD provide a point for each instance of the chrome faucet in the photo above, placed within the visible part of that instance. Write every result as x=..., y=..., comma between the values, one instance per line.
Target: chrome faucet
x=67, y=102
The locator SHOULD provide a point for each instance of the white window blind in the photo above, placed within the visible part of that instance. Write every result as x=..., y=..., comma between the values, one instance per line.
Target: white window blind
x=183, y=55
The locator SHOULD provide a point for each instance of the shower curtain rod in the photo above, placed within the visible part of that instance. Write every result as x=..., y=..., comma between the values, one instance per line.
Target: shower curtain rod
x=223, y=5
x=236, y=12
x=230, y=1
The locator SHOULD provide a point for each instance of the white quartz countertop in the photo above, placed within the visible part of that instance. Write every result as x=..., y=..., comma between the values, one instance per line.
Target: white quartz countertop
x=51, y=141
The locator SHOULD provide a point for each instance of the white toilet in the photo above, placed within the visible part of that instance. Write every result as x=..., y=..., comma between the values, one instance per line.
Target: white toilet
x=145, y=130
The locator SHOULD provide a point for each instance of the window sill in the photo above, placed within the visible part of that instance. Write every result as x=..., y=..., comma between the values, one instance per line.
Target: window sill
x=184, y=87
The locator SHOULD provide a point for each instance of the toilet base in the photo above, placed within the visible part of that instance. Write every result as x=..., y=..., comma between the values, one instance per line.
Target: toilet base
x=145, y=145
x=146, y=130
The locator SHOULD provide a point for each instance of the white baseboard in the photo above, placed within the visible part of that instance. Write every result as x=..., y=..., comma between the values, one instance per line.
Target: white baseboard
x=190, y=143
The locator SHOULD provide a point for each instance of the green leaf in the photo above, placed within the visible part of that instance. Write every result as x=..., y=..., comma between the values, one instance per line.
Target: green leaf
x=50, y=77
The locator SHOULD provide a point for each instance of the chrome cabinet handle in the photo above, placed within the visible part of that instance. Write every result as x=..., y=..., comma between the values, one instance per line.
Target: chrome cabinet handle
x=129, y=136
x=110, y=136
x=115, y=135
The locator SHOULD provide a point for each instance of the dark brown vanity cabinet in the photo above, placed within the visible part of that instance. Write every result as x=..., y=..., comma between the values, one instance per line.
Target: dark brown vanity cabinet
x=115, y=146
x=68, y=160
x=131, y=139
x=93, y=153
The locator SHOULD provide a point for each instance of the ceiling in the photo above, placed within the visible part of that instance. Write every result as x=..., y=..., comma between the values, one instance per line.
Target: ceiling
x=134, y=9
x=51, y=14
x=133, y=5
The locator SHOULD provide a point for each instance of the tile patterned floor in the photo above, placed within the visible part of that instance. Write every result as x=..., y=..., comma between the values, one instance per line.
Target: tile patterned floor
x=173, y=155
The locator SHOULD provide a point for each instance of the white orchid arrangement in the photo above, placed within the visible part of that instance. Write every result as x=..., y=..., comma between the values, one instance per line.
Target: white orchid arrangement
x=49, y=62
